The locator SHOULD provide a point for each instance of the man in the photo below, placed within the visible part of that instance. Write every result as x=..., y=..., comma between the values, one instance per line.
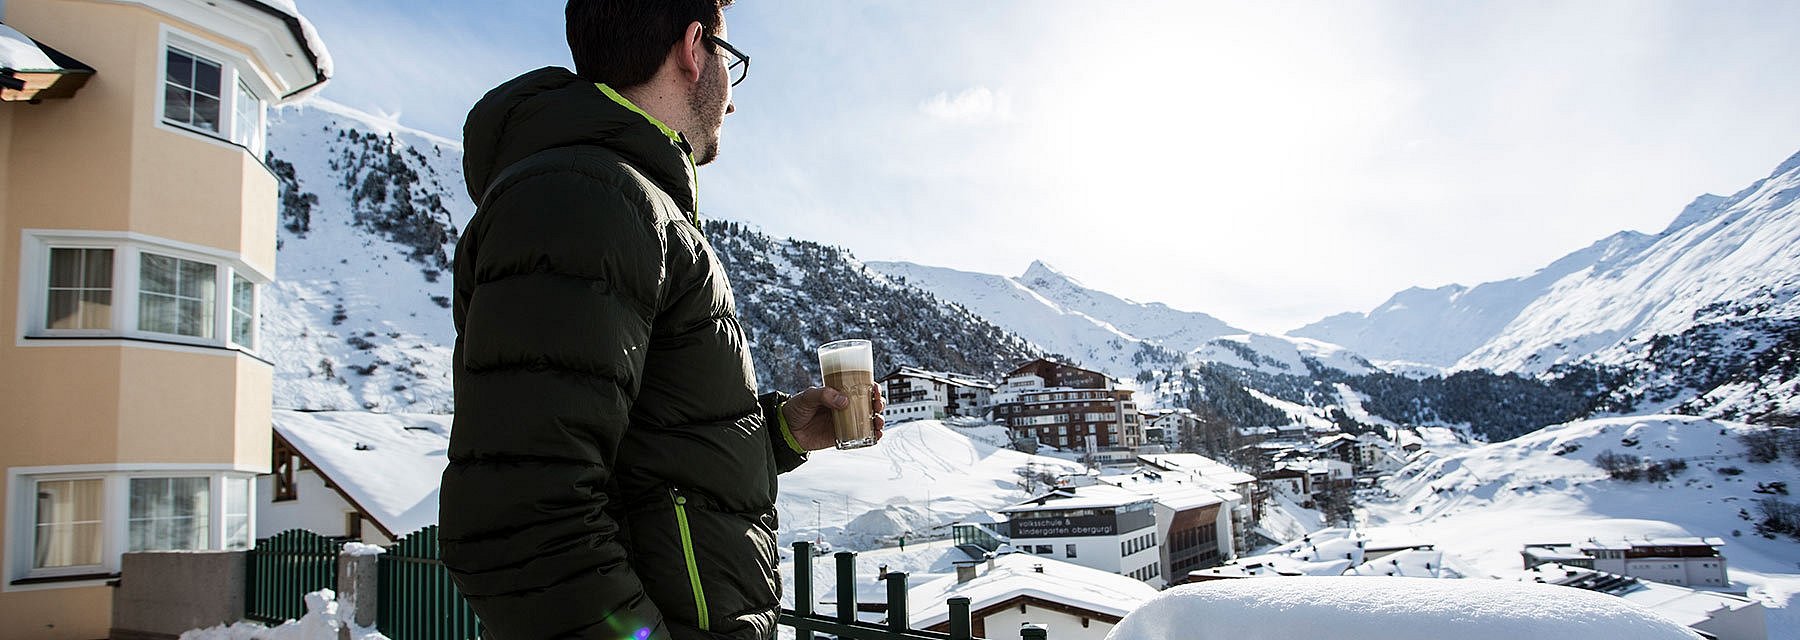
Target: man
x=612, y=470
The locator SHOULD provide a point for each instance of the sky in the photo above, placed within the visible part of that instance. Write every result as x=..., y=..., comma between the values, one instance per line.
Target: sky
x=1269, y=163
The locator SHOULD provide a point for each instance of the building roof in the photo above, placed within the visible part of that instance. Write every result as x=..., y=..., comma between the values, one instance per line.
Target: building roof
x=45, y=72
x=1013, y=575
x=1680, y=604
x=1171, y=493
x=1099, y=496
x=1627, y=543
x=304, y=33
x=1198, y=465
x=387, y=465
x=941, y=377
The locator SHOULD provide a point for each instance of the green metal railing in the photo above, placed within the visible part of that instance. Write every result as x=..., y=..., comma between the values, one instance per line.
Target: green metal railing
x=283, y=568
x=845, y=626
x=416, y=599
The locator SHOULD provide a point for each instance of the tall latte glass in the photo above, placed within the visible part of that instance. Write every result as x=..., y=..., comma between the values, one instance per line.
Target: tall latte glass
x=849, y=367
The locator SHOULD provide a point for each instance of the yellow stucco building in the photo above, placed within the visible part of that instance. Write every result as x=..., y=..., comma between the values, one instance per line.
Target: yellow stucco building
x=137, y=228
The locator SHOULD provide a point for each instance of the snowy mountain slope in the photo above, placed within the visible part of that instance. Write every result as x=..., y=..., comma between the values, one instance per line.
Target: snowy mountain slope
x=1440, y=326
x=358, y=318
x=1022, y=310
x=1747, y=246
x=1482, y=504
x=1604, y=303
x=1118, y=336
x=1154, y=322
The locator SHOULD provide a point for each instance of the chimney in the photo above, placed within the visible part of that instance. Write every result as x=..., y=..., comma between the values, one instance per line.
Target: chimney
x=965, y=573
x=1037, y=568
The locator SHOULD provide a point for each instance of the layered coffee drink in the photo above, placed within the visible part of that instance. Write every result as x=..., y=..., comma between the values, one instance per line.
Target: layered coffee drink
x=849, y=367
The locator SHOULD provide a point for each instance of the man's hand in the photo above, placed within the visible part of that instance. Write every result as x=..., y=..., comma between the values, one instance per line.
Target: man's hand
x=808, y=415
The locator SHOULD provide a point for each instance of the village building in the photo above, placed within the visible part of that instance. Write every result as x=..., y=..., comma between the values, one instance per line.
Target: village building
x=1068, y=407
x=1101, y=527
x=1688, y=562
x=1069, y=600
x=137, y=232
x=1194, y=527
x=1242, y=494
x=917, y=394
x=365, y=476
x=1715, y=615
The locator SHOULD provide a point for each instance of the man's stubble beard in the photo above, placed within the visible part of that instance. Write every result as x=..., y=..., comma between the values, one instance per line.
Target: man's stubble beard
x=708, y=108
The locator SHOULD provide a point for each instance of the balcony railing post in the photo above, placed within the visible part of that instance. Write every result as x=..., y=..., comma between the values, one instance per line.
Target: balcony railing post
x=1033, y=632
x=896, y=601
x=960, y=629
x=803, y=587
x=846, y=586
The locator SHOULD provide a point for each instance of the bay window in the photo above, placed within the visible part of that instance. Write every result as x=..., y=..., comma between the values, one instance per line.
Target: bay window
x=211, y=92
x=169, y=514
x=176, y=296
x=67, y=528
x=80, y=292
x=102, y=284
x=70, y=525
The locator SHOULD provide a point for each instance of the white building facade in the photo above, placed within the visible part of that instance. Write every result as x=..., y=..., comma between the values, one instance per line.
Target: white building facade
x=1102, y=527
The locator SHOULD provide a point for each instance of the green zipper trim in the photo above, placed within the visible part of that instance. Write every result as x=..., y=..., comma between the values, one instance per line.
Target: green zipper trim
x=693, y=568
x=693, y=171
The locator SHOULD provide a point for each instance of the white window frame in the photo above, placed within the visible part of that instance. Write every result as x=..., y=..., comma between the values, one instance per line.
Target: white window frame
x=21, y=504
x=235, y=70
x=127, y=248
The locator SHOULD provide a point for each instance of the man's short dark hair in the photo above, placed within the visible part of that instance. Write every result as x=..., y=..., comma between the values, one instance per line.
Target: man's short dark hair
x=622, y=42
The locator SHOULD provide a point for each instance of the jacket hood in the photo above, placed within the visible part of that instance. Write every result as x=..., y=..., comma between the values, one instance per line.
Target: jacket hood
x=552, y=107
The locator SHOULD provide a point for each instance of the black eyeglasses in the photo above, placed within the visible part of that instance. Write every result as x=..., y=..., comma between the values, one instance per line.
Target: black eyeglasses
x=738, y=64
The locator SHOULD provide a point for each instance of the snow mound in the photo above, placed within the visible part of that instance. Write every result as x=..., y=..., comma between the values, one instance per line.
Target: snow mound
x=1347, y=608
x=325, y=619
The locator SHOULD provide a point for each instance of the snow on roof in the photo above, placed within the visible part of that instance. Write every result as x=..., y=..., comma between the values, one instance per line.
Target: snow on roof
x=388, y=464
x=1680, y=604
x=1626, y=543
x=1197, y=464
x=1348, y=608
x=308, y=34
x=1099, y=496
x=1172, y=494
x=20, y=53
x=941, y=377
x=1013, y=575
x=1411, y=563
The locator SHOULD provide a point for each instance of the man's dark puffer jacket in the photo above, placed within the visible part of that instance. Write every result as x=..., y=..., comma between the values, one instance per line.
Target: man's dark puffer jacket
x=612, y=470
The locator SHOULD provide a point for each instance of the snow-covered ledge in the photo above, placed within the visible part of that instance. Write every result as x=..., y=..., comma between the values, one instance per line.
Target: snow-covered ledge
x=1359, y=608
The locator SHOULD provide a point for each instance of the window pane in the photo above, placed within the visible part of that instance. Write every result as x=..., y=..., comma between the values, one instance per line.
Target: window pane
x=197, y=280
x=237, y=513
x=158, y=274
x=243, y=310
x=156, y=313
x=206, y=113
x=80, y=295
x=68, y=524
x=65, y=267
x=178, y=104
x=206, y=77
x=97, y=271
x=181, y=69
x=169, y=514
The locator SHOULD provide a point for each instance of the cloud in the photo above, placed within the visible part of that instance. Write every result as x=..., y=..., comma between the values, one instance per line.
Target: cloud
x=972, y=105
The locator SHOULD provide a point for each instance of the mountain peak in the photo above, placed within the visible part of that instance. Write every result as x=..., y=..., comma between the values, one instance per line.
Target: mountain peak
x=1703, y=208
x=1040, y=270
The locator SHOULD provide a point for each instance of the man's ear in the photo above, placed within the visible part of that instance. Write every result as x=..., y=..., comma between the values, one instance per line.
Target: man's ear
x=690, y=53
